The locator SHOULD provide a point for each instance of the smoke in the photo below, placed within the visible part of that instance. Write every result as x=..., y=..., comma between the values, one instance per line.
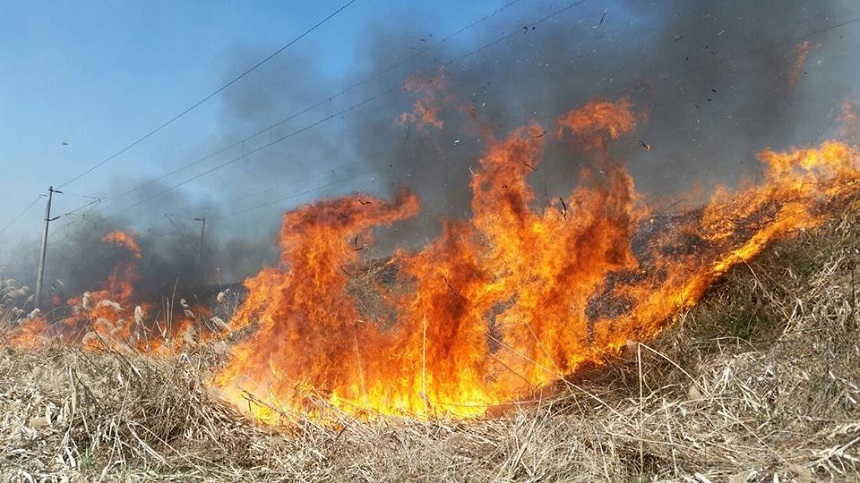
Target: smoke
x=713, y=78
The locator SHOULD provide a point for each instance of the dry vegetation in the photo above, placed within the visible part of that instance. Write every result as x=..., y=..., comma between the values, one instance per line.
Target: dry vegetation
x=761, y=382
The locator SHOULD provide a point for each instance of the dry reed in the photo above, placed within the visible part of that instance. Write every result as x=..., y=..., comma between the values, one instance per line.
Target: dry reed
x=760, y=382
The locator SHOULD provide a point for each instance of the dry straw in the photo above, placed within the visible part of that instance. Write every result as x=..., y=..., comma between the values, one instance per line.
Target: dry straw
x=760, y=382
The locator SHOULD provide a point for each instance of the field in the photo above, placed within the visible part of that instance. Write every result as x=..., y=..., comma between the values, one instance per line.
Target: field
x=759, y=382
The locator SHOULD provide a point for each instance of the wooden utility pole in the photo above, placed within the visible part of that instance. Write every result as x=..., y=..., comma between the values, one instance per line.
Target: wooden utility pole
x=41, y=270
x=199, y=251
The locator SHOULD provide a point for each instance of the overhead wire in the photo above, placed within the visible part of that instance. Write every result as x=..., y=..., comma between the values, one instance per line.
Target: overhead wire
x=352, y=107
x=679, y=74
x=22, y=213
x=208, y=97
x=292, y=195
x=96, y=201
x=558, y=112
x=254, y=151
x=741, y=55
x=314, y=106
x=81, y=196
x=319, y=103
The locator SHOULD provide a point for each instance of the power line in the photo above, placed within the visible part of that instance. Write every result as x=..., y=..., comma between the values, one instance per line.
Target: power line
x=95, y=201
x=556, y=113
x=81, y=196
x=321, y=102
x=210, y=96
x=348, y=109
x=811, y=33
x=19, y=215
x=767, y=46
x=622, y=91
x=297, y=194
x=258, y=149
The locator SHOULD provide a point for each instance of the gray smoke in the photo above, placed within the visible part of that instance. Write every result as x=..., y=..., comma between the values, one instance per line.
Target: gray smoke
x=713, y=77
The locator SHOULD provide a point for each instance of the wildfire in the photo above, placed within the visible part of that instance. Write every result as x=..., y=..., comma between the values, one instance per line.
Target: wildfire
x=602, y=122
x=123, y=240
x=517, y=297
x=108, y=318
x=801, y=52
x=427, y=107
x=497, y=308
x=29, y=335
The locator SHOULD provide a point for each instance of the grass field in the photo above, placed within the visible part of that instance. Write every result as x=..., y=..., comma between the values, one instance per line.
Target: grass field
x=759, y=382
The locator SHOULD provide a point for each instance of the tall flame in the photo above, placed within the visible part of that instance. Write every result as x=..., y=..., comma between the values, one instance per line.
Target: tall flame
x=495, y=309
x=511, y=300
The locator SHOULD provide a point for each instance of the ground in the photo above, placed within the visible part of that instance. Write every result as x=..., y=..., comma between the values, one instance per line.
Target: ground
x=759, y=382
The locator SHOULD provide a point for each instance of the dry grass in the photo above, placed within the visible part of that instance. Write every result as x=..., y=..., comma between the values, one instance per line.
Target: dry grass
x=761, y=382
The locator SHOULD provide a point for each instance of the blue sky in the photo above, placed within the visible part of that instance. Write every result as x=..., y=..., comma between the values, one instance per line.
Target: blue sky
x=81, y=80
x=99, y=74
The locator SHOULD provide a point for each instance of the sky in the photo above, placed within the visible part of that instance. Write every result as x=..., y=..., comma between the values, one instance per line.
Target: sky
x=98, y=75
x=83, y=80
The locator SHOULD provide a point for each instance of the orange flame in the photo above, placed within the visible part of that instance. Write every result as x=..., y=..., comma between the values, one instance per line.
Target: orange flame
x=108, y=318
x=504, y=304
x=123, y=240
x=29, y=335
x=494, y=310
x=427, y=107
x=601, y=122
x=802, y=52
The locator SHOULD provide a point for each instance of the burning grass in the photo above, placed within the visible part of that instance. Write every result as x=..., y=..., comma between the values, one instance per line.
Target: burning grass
x=516, y=296
x=762, y=378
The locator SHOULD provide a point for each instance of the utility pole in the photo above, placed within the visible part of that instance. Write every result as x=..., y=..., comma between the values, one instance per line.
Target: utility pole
x=199, y=250
x=41, y=270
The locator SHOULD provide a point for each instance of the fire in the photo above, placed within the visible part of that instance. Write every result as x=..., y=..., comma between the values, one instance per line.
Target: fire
x=29, y=335
x=123, y=240
x=498, y=308
x=427, y=107
x=519, y=296
x=602, y=122
x=801, y=52
x=110, y=317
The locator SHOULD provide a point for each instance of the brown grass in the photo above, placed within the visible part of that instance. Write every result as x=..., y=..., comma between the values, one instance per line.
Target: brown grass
x=760, y=382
